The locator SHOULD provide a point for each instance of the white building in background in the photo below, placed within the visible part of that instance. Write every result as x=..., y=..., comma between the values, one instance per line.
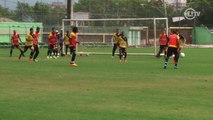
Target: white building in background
x=81, y=15
x=178, y=4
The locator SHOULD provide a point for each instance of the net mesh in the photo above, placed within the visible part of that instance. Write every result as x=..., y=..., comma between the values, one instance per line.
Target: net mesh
x=95, y=35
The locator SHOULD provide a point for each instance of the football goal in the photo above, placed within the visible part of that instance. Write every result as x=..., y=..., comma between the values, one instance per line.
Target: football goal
x=95, y=34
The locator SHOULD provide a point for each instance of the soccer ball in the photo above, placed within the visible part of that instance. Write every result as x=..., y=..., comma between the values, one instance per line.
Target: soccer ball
x=182, y=55
x=81, y=53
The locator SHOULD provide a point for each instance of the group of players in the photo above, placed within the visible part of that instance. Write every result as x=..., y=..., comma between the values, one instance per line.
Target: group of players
x=171, y=45
x=120, y=41
x=31, y=43
x=54, y=44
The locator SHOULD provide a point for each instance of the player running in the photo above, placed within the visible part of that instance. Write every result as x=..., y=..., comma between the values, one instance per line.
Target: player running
x=163, y=40
x=122, y=47
x=52, y=40
x=173, y=48
x=35, y=45
x=29, y=44
x=15, y=38
x=115, y=39
x=72, y=45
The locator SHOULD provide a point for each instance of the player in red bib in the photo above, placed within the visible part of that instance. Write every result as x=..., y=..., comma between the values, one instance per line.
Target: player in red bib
x=52, y=40
x=173, y=49
x=72, y=45
x=15, y=38
x=35, y=53
x=163, y=40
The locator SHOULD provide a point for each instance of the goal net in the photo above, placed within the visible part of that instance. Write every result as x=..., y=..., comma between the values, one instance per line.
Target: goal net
x=95, y=34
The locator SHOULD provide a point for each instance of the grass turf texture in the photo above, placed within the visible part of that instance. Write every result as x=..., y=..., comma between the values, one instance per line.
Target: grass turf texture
x=101, y=88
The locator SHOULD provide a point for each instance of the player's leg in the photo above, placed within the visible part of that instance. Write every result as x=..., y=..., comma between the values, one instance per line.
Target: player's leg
x=22, y=54
x=165, y=50
x=48, y=51
x=57, y=50
x=11, y=50
x=36, y=49
x=21, y=51
x=169, y=53
x=31, y=53
x=55, y=53
x=125, y=55
x=60, y=49
x=73, y=52
x=160, y=51
x=114, y=49
x=66, y=49
x=120, y=54
x=176, y=58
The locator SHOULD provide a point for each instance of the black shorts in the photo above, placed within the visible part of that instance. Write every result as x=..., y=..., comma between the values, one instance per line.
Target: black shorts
x=26, y=47
x=171, y=51
x=163, y=47
x=51, y=47
x=72, y=49
x=14, y=46
x=36, y=47
x=122, y=50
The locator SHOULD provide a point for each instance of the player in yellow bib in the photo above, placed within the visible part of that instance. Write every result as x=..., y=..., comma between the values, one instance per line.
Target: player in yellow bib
x=115, y=39
x=66, y=41
x=29, y=44
x=122, y=41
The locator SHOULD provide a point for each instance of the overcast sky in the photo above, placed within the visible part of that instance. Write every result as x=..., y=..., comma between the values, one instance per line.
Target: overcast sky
x=11, y=4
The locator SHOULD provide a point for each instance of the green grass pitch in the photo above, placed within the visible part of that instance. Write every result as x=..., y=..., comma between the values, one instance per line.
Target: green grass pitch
x=101, y=88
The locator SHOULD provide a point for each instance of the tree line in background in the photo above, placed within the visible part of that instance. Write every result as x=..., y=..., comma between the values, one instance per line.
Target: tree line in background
x=42, y=12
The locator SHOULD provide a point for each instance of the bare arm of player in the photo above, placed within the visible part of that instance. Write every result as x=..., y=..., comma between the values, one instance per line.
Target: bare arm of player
x=20, y=39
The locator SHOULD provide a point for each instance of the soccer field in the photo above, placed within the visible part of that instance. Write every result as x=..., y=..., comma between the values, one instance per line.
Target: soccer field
x=102, y=88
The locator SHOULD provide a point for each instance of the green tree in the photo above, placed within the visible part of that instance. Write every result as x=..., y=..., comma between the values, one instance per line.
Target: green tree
x=5, y=12
x=23, y=12
x=206, y=9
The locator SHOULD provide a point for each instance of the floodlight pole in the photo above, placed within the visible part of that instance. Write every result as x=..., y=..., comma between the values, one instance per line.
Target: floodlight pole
x=165, y=10
x=63, y=34
x=167, y=26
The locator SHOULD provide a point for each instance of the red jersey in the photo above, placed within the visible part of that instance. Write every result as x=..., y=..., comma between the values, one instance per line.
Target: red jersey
x=15, y=39
x=35, y=40
x=163, y=39
x=173, y=41
x=52, y=39
x=73, y=40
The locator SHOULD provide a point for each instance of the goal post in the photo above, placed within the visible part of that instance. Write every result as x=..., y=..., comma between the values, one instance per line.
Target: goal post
x=95, y=34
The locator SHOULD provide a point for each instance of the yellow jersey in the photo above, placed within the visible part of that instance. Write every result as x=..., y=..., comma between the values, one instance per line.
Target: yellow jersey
x=29, y=40
x=73, y=41
x=66, y=40
x=115, y=38
x=181, y=41
x=122, y=42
